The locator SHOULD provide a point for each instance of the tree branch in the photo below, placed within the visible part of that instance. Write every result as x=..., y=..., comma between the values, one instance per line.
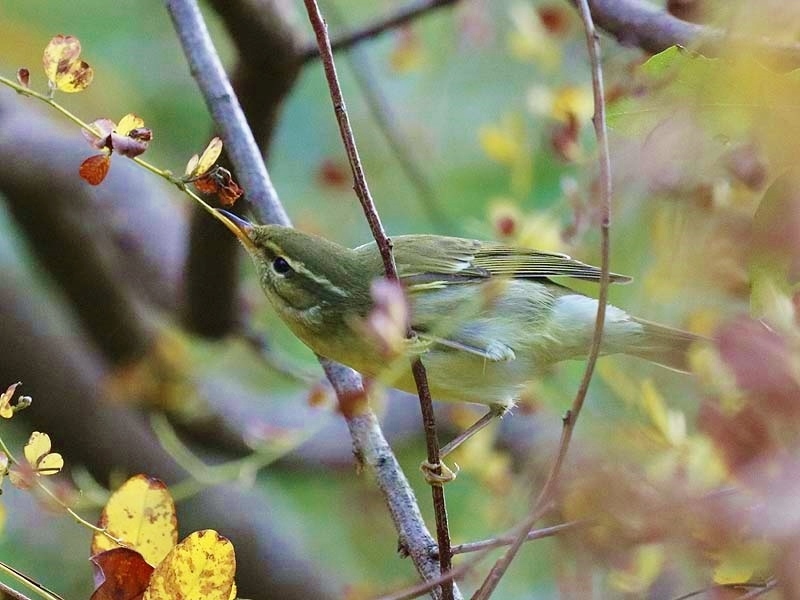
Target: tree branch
x=226, y=111
x=643, y=25
x=404, y=15
x=449, y=590
x=244, y=154
x=545, y=496
x=267, y=42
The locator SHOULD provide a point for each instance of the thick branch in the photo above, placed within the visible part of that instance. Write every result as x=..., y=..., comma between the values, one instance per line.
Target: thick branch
x=404, y=15
x=65, y=225
x=65, y=377
x=226, y=112
x=641, y=24
x=267, y=45
x=243, y=153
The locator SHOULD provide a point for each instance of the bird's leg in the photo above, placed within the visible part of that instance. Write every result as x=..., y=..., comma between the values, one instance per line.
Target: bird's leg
x=447, y=475
x=495, y=411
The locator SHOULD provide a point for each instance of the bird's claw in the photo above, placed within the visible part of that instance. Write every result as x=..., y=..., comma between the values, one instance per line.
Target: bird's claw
x=439, y=473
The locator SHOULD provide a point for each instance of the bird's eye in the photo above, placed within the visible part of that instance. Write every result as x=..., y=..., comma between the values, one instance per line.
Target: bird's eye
x=282, y=266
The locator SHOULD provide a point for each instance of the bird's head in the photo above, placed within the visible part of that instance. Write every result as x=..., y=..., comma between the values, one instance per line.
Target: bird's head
x=298, y=270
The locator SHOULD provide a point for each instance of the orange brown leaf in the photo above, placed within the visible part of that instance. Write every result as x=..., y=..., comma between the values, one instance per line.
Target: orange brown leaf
x=219, y=181
x=94, y=169
x=24, y=77
x=120, y=574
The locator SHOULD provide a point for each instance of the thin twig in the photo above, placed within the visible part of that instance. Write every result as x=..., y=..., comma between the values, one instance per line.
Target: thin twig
x=243, y=152
x=599, y=121
x=449, y=590
x=759, y=591
x=536, y=534
x=396, y=19
x=424, y=587
x=753, y=587
x=480, y=550
x=381, y=108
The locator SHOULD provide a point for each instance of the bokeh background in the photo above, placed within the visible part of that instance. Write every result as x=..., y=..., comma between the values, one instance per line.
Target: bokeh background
x=123, y=301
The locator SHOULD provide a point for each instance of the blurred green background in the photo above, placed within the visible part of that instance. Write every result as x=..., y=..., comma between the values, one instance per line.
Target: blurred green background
x=446, y=78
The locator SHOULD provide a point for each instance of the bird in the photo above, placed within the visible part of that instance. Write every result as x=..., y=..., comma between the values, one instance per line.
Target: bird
x=486, y=317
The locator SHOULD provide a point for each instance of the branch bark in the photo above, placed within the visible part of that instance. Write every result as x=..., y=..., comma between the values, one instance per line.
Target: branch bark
x=643, y=25
x=267, y=43
x=243, y=151
x=65, y=377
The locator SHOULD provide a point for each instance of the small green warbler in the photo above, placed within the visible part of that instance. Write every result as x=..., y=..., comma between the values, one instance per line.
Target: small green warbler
x=488, y=317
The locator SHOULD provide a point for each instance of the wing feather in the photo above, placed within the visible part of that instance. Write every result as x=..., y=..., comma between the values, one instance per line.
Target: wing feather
x=426, y=260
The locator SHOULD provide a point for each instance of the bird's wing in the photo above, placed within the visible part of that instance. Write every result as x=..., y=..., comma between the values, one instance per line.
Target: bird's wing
x=430, y=260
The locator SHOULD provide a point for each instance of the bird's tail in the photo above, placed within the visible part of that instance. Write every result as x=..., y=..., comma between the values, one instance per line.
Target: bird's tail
x=664, y=346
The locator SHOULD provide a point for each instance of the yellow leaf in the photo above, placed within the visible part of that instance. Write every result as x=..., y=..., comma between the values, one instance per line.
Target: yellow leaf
x=408, y=54
x=142, y=513
x=6, y=411
x=573, y=101
x=529, y=39
x=191, y=165
x=206, y=160
x=37, y=453
x=62, y=66
x=60, y=51
x=201, y=567
x=645, y=565
x=498, y=144
x=670, y=424
x=740, y=563
x=128, y=123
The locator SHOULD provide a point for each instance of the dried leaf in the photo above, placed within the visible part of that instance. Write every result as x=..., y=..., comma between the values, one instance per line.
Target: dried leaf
x=100, y=138
x=197, y=167
x=142, y=513
x=201, y=567
x=128, y=123
x=63, y=68
x=219, y=182
x=95, y=168
x=6, y=410
x=24, y=77
x=120, y=574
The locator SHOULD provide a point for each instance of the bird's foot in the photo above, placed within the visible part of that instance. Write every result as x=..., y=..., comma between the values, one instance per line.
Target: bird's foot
x=439, y=473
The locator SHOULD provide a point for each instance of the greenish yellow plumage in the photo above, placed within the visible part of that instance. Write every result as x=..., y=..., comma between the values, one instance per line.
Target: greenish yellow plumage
x=488, y=317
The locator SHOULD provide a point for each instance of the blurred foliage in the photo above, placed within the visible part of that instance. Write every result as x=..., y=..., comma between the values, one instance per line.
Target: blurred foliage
x=684, y=481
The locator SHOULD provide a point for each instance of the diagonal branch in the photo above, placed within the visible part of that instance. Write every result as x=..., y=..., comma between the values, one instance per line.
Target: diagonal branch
x=643, y=25
x=406, y=14
x=216, y=89
x=449, y=590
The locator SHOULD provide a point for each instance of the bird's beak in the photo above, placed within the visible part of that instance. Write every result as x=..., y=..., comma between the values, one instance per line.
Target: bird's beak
x=238, y=227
